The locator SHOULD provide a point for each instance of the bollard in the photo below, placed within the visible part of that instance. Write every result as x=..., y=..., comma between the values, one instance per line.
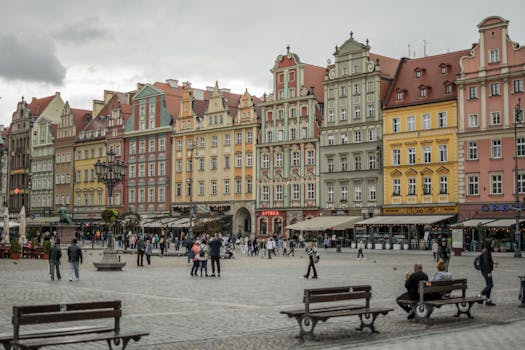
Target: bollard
x=522, y=291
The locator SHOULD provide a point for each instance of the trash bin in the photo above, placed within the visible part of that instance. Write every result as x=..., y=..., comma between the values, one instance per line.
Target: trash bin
x=522, y=291
x=338, y=244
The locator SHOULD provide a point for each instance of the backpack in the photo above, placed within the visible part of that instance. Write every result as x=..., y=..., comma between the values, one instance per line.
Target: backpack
x=316, y=257
x=477, y=262
x=191, y=254
x=202, y=253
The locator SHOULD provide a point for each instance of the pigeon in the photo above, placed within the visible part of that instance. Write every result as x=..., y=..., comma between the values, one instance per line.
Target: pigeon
x=374, y=261
x=14, y=262
x=395, y=268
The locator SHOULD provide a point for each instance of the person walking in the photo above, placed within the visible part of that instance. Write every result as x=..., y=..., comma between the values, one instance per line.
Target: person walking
x=215, y=255
x=203, y=258
x=141, y=248
x=162, y=244
x=74, y=255
x=292, y=248
x=149, y=251
x=435, y=248
x=54, y=260
x=360, y=247
x=412, y=285
x=444, y=253
x=312, y=255
x=285, y=247
x=487, y=266
x=194, y=254
x=270, y=245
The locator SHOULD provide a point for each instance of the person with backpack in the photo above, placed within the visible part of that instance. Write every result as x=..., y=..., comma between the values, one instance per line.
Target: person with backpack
x=193, y=254
x=486, y=265
x=444, y=253
x=203, y=257
x=54, y=260
x=149, y=251
x=312, y=257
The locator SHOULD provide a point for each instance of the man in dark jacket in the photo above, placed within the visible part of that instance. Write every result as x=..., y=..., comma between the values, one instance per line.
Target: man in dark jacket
x=412, y=285
x=54, y=260
x=74, y=254
x=215, y=255
x=487, y=265
x=141, y=248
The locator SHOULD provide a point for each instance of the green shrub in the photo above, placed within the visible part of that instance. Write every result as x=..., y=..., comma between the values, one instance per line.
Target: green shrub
x=47, y=247
x=14, y=247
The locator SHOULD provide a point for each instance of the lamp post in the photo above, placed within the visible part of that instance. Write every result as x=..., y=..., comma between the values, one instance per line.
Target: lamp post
x=517, y=232
x=110, y=172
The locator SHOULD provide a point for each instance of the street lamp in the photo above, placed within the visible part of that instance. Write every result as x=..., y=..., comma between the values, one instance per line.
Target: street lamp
x=110, y=172
x=517, y=231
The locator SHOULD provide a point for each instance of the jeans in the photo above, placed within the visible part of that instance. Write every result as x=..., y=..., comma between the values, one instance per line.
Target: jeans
x=148, y=258
x=488, y=284
x=204, y=266
x=311, y=265
x=195, y=267
x=140, y=258
x=360, y=253
x=52, y=266
x=74, y=270
x=215, y=260
x=405, y=307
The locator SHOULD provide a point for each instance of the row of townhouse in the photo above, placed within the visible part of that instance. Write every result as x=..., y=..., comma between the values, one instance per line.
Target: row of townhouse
x=366, y=135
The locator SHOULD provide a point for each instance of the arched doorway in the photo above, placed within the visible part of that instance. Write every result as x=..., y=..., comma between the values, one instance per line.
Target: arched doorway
x=242, y=223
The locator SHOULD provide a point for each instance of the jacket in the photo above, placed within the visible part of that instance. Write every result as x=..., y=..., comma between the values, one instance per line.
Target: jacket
x=204, y=248
x=215, y=248
x=74, y=253
x=412, y=284
x=487, y=264
x=141, y=246
x=55, y=254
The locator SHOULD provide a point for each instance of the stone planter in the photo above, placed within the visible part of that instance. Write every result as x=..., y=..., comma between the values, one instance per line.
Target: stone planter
x=397, y=246
x=387, y=246
x=353, y=245
x=379, y=246
x=405, y=246
x=369, y=246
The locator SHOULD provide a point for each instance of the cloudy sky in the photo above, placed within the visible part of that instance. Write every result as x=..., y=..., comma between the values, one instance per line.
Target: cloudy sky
x=81, y=48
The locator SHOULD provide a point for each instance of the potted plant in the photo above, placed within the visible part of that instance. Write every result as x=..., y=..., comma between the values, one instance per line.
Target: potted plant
x=14, y=250
x=47, y=249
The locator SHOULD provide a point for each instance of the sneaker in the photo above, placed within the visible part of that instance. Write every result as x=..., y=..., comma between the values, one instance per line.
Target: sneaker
x=314, y=277
x=212, y=275
x=219, y=275
x=305, y=276
x=489, y=303
x=411, y=316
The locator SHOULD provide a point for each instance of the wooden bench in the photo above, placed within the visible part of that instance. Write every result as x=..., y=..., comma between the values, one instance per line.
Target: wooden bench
x=435, y=294
x=64, y=313
x=521, y=296
x=308, y=318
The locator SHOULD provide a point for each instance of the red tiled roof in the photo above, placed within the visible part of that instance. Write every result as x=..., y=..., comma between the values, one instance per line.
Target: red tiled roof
x=200, y=107
x=173, y=97
x=5, y=133
x=388, y=65
x=80, y=118
x=38, y=105
x=431, y=79
x=314, y=76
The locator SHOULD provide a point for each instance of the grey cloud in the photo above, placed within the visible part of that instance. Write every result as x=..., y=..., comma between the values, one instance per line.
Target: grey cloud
x=30, y=59
x=81, y=31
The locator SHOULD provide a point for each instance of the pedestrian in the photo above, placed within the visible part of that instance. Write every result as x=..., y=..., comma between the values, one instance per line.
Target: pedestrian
x=215, y=255
x=444, y=253
x=312, y=257
x=285, y=247
x=292, y=248
x=141, y=248
x=441, y=274
x=435, y=248
x=228, y=250
x=487, y=266
x=177, y=244
x=194, y=255
x=360, y=247
x=326, y=242
x=74, y=255
x=54, y=260
x=203, y=258
x=269, y=247
x=162, y=244
x=149, y=251
x=412, y=286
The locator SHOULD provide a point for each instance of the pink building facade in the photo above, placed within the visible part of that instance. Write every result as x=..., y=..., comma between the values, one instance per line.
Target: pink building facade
x=490, y=86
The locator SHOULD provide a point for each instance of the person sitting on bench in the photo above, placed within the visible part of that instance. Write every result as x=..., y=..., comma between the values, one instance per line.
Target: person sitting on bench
x=412, y=285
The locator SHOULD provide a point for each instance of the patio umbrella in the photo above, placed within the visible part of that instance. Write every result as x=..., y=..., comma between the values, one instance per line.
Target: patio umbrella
x=6, y=225
x=22, y=227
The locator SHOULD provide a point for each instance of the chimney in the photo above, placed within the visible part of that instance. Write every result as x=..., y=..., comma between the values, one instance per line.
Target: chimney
x=174, y=83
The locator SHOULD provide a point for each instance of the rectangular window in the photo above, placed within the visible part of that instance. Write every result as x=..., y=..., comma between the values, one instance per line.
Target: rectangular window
x=227, y=186
x=473, y=92
x=495, y=89
x=358, y=195
x=238, y=138
x=213, y=163
x=265, y=161
x=396, y=157
x=151, y=195
x=426, y=121
x=310, y=193
x=162, y=194
x=226, y=162
x=238, y=186
x=249, y=137
x=343, y=91
x=343, y=115
x=520, y=147
x=178, y=191
x=493, y=55
x=293, y=133
x=151, y=146
x=442, y=120
x=132, y=195
x=214, y=141
x=495, y=151
x=330, y=193
x=344, y=193
x=178, y=165
x=227, y=139
x=142, y=170
x=331, y=116
x=427, y=185
x=396, y=125
x=443, y=185
x=295, y=192
x=496, y=184
x=473, y=185
x=372, y=164
x=265, y=193
x=518, y=85
x=214, y=187
x=249, y=159
x=357, y=162
x=330, y=163
x=162, y=145
x=411, y=155
x=443, y=153
x=304, y=132
x=295, y=158
x=179, y=145
x=427, y=154
x=521, y=183
x=201, y=164
x=279, y=192
x=357, y=89
x=162, y=168
x=278, y=160
x=371, y=111
x=151, y=169
x=344, y=138
x=473, y=121
x=411, y=123
x=201, y=188
x=372, y=192
x=396, y=187
x=495, y=118
x=249, y=186
x=411, y=189
x=310, y=158
x=142, y=196
x=357, y=136
x=357, y=112
x=472, y=150
x=372, y=136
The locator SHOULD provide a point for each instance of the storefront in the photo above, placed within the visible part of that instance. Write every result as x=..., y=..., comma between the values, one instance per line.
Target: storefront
x=341, y=226
x=500, y=231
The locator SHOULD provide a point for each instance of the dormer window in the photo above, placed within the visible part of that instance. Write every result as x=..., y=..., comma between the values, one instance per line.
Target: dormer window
x=424, y=91
x=419, y=72
x=447, y=86
x=400, y=95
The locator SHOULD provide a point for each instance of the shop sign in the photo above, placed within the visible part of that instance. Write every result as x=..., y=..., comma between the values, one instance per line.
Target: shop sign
x=420, y=210
x=270, y=213
x=500, y=207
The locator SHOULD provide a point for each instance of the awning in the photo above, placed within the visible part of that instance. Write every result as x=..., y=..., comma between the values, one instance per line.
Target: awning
x=11, y=224
x=404, y=220
x=503, y=223
x=322, y=223
x=472, y=223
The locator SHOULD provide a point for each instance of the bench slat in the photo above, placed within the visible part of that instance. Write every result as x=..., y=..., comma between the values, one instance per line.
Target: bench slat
x=322, y=298
x=314, y=291
x=79, y=339
x=454, y=300
x=66, y=316
x=35, y=309
x=350, y=312
x=439, y=289
x=323, y=309
x=4, y=337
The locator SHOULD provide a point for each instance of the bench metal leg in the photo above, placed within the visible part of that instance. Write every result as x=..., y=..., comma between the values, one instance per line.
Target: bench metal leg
x=367, y=321
x=117, y=342
x=307, y=325
x=463, y=308
x=422, y=311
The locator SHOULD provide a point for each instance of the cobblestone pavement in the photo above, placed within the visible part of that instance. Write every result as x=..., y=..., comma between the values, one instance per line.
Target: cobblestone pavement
x=240, y=310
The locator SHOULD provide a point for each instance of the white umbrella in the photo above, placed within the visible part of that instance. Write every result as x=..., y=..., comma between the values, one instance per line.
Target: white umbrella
x=22, y=227
x=6, y=225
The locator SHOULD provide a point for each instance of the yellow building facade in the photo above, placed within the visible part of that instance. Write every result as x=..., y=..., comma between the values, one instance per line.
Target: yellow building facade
x=420, y=164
